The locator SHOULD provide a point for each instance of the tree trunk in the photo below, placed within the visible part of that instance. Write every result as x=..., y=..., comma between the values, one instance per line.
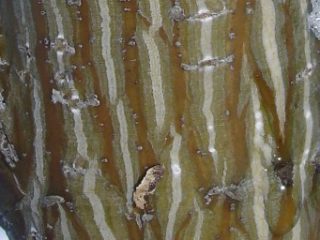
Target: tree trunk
x=159, y=119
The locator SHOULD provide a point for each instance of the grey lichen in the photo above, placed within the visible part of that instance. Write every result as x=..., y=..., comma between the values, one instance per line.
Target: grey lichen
x=74, y=2
x=314, y=18
x=2, y=102
x=3, y=64
x=176, y=13
x=213, y=62
x=306, y=72
x=235, y=192
x=49, y=201
x=209, y=15
x=62, y=46
x=73, y=100
x=7, y=149
x=73, y=171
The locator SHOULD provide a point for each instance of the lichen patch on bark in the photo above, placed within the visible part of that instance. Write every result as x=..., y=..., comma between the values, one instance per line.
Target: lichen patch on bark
x=147, y=186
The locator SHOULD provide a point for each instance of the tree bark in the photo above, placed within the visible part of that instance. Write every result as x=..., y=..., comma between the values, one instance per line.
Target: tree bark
x=155, y=119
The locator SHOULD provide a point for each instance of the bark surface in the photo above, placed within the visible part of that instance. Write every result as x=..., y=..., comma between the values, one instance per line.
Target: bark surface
x=209, y=110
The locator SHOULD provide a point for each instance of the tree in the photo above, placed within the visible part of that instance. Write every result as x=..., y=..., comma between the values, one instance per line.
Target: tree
x=157, y=119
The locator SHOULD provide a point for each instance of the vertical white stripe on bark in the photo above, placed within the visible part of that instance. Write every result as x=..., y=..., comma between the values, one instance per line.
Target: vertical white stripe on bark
x=155, y=63
x=39, y=154
x=39, y=138
x=82, y=145
x=198, y=228
x=175, y=184
x=259, y=176
x=125, y=153
x=58, y=17
x=106, y=50
x=272, y=57
x=64, y=223
x=206, y=51
x=156, y=78
x=296, y=232
x=89, y=185
x=155, y=15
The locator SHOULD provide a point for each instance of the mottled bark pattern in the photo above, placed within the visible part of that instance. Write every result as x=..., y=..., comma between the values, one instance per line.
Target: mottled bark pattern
x=217, y=98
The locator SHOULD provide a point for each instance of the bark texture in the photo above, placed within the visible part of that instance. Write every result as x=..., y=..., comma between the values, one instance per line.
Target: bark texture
x=217, y=98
